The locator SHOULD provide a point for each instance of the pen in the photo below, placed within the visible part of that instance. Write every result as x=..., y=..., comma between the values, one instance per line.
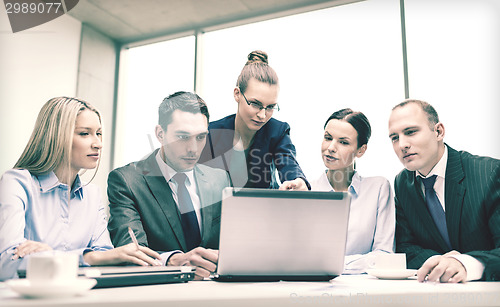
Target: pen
x=132, y=236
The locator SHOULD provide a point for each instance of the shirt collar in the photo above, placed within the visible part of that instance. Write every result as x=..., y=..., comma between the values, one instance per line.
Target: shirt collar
x=440, y=168
x=353, y=188
x=49, y=181
x=168, y=172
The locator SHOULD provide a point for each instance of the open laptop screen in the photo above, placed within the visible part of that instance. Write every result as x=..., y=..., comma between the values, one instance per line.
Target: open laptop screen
x=289, y=235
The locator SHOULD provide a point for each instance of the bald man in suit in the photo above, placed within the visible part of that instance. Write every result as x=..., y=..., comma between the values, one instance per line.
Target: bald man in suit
x=448, y=228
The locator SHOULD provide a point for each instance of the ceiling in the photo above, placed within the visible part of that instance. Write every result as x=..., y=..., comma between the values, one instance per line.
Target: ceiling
x=132, y=21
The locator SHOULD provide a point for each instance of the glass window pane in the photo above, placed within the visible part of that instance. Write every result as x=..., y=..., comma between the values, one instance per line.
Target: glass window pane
x=454, y=64
x=147, y=75
x=345, y=56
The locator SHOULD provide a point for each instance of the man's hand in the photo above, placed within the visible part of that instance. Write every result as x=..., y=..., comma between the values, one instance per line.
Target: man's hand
x=453, y=252
x=124, y=254
x=205, y=261
x=442, y=269
x=29, y=247
x=296, y=184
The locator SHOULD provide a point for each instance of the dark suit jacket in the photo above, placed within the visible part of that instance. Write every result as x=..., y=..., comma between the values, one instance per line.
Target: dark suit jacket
x=272, y=149
x=472, y=201
x=140, y=197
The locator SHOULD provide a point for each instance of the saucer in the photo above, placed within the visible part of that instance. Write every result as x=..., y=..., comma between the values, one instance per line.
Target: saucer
x=70, y=288
x=391, y=273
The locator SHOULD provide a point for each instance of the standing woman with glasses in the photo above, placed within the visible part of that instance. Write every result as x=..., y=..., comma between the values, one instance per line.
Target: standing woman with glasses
x=251, y=145
x=43, y=204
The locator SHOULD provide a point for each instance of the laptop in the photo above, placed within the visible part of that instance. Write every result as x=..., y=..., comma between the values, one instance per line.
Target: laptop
x=271, y=235
x=120, y=276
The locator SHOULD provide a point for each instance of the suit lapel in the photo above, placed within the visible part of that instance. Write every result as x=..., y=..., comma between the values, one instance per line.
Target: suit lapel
x=454, y=195
x=205, y=204
x=163, y=194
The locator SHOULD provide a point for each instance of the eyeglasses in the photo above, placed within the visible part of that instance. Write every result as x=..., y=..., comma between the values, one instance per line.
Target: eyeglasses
x=258, y=106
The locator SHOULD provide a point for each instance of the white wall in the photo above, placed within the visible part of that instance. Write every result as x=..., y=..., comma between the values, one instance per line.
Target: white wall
x=58, y=58
x=96, y=79
x=35, y=65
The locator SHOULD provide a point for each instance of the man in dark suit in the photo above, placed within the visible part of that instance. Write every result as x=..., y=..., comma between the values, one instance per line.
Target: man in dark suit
x=172, y=203
x=447, y=201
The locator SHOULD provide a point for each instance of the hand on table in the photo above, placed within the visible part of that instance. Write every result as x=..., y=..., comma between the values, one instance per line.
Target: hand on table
x=205, y=261
x=442, y=269
x=29, y=247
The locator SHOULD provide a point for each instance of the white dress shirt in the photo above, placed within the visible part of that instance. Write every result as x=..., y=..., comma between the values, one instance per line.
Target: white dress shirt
x=36, y=208
x=473, y=266
x=372, y=220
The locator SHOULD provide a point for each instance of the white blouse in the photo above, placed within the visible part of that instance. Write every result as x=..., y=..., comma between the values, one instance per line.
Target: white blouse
x=372, y=220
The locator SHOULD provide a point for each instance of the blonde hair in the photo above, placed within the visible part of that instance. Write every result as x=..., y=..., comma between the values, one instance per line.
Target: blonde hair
x=257, y=67
x=49, y=146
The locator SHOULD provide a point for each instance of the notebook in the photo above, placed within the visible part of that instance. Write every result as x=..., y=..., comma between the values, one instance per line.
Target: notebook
x=119, y=276
x=270, y=235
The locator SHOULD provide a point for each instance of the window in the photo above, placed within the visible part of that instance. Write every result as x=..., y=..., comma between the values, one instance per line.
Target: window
x=345, y=56
x=147, y=75
x=453, y=63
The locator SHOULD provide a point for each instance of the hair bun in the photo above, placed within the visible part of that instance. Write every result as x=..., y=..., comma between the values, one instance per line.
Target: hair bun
x=257, y=56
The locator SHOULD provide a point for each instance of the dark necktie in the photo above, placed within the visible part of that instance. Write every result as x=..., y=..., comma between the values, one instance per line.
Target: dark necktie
x=188, y=215
x=435, y=208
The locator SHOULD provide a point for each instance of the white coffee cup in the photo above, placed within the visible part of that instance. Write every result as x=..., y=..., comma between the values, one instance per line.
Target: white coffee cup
x=384, y=261
x=52, y=267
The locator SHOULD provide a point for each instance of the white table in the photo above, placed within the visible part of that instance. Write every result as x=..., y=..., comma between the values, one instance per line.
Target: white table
x=348, y=290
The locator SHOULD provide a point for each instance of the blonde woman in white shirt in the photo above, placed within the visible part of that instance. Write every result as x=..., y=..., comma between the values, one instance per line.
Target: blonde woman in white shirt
x=45, y=206
x=372, y=214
